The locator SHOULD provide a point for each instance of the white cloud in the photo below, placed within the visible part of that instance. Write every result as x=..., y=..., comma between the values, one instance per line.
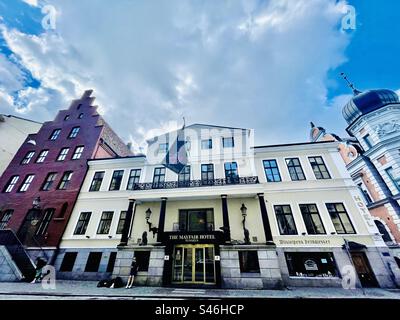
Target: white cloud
x=33, y=3
x=260, y=65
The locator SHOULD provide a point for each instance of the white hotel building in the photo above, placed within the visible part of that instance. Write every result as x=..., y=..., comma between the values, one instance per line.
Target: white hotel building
x=236, y=216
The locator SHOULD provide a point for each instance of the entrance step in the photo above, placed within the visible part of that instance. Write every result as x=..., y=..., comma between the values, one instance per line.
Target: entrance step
x=189, y=291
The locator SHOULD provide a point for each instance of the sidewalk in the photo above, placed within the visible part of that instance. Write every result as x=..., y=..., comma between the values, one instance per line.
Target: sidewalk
x=88, y=289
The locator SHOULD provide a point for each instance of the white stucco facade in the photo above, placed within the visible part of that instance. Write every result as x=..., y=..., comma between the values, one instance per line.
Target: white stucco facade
x=279, y=245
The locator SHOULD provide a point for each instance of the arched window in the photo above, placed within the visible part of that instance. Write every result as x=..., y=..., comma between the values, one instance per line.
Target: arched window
x=382, y=230
x=63, y=210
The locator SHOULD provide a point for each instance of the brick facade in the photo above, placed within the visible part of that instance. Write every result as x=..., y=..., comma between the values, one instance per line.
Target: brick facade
x=94, y=134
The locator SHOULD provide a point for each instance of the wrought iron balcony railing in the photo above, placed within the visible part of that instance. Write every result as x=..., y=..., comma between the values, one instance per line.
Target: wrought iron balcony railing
x=194, y=183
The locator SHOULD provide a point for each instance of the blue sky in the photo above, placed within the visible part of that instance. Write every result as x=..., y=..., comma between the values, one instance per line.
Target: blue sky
x=264, y=64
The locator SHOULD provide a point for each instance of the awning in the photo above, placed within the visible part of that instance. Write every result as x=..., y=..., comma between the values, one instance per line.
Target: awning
x=351, y=245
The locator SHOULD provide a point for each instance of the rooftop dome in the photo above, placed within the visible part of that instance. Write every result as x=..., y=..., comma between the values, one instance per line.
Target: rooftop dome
x=368, y=101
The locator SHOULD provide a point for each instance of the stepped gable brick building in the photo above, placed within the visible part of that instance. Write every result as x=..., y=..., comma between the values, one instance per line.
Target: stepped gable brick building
x=41, y=184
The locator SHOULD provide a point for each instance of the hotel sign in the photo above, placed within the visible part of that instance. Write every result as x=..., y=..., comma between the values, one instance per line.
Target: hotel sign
x=193, y=237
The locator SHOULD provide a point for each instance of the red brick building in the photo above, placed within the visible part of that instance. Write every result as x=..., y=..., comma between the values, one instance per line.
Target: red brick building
x=41, y=184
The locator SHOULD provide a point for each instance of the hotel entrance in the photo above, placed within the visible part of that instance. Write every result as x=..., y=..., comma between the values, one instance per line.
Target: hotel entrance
x=194, y=264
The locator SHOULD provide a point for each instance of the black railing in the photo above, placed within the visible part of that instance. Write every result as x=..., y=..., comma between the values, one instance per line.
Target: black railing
x=10, y=241
x=195, y=183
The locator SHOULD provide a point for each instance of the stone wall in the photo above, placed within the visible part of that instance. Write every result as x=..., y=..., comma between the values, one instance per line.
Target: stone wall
x=9, y=272
x=268, y=278
x=78, y=271
x=153, y=277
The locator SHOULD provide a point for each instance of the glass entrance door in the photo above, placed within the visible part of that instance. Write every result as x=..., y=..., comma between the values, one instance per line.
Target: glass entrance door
x=194, y=264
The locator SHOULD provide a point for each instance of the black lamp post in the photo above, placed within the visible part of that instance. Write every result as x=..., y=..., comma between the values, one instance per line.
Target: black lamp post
x=154, y=230
x=243, y=209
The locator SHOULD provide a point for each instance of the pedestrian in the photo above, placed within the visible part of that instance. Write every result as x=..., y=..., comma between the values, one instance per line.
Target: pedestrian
x=40, y=263
x=133, y=273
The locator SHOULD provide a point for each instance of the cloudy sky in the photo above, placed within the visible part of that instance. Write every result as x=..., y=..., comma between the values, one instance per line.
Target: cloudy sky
x=271, y=65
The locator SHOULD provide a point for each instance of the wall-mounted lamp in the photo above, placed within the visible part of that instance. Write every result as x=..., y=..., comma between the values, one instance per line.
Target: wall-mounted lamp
x=109, y=237
x=87, y=237
x=303, y=233
x=154, y=230
x=243, y=210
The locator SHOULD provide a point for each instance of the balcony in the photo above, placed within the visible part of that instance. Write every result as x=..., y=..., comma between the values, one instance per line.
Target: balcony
x=195, y=183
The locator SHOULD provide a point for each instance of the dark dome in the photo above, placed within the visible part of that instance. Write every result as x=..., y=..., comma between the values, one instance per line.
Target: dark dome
x=368, y=101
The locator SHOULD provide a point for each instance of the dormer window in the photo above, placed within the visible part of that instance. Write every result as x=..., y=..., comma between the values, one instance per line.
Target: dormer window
x=79, y=106
x=228, y=142
x=163, y=147
x=206, y=144
x=66, y=117
x=80, y=116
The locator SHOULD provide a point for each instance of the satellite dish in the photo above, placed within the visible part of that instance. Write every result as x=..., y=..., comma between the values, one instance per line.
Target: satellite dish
x=33, y=142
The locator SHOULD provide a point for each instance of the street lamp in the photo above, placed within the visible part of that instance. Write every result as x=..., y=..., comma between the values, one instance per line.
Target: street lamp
x=243, y=210
x=154, y=230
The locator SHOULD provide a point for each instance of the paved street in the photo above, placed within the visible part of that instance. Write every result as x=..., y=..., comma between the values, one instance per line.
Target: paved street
x=88, y=290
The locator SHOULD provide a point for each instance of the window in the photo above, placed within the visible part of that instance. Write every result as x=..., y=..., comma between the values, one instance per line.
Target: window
x=319, y=168
x=68, y=261
x=11, y=184
x=312, y=219
x=48, y=182
x=42, y=156
x=272, y=171
x=80, y=116
x=228, y=142
x=66, y=178
x=5, y=218
x=63, y=154
x=311, y=264
x=105, y=222
x=66, y=117
x=82, y=223
x=231, y=172
x=78, y=153
x=207, y=174
x=134, y=178
x=295, y=169
x=159, y=177
x=97, y=180
x=74, y=132
x=249, y=262
x=340, y=218
x=111, y=261
x=395, y=181
x=365, y=194
x=206, y=144
x=63, y=210
x=93, y=262
x=142, y=260
x=196, y=220
x=121, y=222
x=27, y=182
x=44, y=224
x=382, y=230
x=28, y=157
x=116, y=180
x=368, y=141
x=55, y=134
x=285, y=220
x=163, y=147
x=79, y=106
x=184, y=177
